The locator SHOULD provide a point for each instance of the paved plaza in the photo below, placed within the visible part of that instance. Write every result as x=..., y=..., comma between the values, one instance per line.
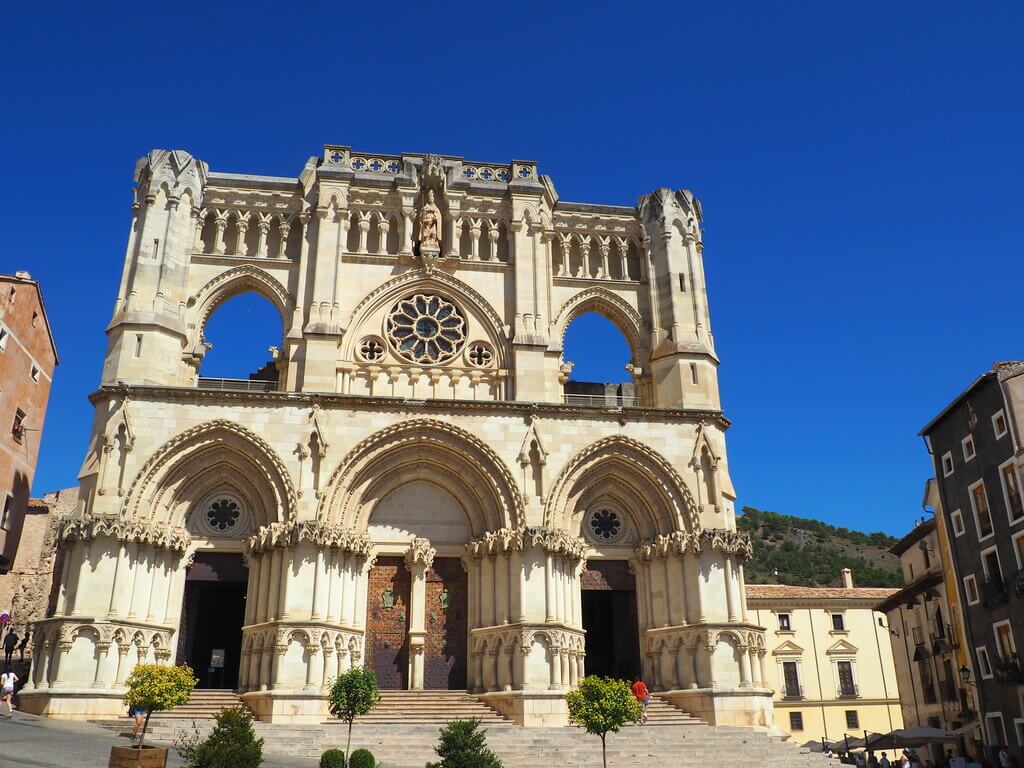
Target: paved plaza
x=27, y=741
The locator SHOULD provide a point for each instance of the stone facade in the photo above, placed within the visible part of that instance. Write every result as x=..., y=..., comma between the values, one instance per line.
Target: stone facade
x=28, y=358
x=420, y=421
x=27, y=588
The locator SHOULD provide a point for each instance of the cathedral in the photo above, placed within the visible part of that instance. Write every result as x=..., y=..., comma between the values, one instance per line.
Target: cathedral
x=414, y=483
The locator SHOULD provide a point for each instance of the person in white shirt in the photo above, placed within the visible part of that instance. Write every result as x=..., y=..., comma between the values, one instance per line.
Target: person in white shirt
x=7, y=682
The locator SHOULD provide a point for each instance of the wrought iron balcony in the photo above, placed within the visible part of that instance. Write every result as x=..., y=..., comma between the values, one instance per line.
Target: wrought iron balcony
x=1008, y=669
x=793, y=692
x=848, y=691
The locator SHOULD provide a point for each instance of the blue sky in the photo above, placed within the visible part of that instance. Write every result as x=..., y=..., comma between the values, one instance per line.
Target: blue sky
x=859, y=166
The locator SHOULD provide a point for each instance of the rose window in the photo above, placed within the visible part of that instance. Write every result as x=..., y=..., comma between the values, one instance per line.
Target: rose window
x=604, y=526
x=426, y=329
x=223, y=514
x=371, y=350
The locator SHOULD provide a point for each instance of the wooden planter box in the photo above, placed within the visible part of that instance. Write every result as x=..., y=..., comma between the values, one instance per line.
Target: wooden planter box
x=133, y=757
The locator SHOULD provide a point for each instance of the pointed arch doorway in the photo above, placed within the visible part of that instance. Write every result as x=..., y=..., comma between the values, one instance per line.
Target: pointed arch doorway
x=212, y=615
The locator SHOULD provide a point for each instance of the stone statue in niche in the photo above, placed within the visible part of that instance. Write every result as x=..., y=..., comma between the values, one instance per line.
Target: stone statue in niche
x=430, y=223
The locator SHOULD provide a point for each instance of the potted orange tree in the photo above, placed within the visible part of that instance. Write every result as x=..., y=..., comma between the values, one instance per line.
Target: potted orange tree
x=152, y=688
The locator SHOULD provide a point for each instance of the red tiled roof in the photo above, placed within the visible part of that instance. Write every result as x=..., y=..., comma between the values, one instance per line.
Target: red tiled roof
x=783, y=592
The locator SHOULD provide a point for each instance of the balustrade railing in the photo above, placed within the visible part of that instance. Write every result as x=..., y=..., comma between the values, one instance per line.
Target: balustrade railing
x=239, y=385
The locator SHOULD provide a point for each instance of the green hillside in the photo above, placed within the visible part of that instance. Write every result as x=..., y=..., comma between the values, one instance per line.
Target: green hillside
x=809, y=553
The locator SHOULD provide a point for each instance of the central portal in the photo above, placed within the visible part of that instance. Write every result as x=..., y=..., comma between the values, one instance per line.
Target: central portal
x=387, y=622
x=213, y=610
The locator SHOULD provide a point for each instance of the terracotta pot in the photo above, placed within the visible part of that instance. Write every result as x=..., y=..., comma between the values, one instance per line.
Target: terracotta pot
x=133, y=757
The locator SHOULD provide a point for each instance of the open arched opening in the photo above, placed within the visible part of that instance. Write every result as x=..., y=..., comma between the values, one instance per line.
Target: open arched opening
x=597, y=354
x=242, y=337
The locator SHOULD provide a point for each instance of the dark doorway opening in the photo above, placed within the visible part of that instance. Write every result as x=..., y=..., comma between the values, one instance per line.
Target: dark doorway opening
x=609, y=617
x=212, y=615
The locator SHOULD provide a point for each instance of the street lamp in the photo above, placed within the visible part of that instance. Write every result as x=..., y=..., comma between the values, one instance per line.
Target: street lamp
x=965, y=676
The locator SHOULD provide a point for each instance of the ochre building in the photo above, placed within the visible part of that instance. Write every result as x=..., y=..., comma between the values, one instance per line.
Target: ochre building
x=414, y=484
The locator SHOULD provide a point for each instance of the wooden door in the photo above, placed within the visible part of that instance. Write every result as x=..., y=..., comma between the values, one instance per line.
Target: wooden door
x=387, y=622
x=447, y=601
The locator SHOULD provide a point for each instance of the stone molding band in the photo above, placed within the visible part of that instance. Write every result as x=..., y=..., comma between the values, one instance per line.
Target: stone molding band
x=518, y=539
x=317, y=532
x=85, y=527
x=680, y=542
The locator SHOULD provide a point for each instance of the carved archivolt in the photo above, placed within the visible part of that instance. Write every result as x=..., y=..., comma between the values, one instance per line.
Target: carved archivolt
x=625, y=469
x=419, y=280
x=610, y=305
x=220, y=446
x=424, y=449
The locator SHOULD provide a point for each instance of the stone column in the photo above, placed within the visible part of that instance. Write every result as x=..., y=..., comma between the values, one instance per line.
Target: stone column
x=243, y=227
x=743, y=594
x=347, y=586
x=287, y=561
x=277, y=662
x=694, y=603
x=549, y=588
x=120, y=574
x=243, y=668
x=315, y=666
x=418, y=559
x=516, y=586
x=487, y=596
x=261, y=245
x=251, y=590
x=320, y=585
x=755, y=668
x=744, y=666
x=218, y=242
x=274, y=584
x=262, y=596
x=730, y=597
x=555, y=669
x=501, y=583
x=325, y=680
x=564, y=659
x=122, y=665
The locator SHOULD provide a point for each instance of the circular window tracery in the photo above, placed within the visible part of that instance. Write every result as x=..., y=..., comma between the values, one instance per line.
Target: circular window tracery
x=221, y=514
x=371, y=349
x=480, y=355
x=604, y=526
x=425, y=328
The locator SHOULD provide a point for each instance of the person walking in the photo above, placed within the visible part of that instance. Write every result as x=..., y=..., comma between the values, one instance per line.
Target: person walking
x=7, y=682
x=140, y=717
x=10, y=643
x=643, y=696
x=23, y=644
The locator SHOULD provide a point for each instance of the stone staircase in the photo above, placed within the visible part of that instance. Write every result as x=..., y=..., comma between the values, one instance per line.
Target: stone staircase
x=428, y=708
x=404, y=729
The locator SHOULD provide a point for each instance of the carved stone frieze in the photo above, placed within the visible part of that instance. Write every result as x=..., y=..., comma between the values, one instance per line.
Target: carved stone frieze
x=713, y=539
x=78, y=526
x=317, y=532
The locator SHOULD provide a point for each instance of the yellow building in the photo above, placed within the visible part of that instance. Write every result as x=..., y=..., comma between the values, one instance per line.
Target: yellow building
x=833, y=671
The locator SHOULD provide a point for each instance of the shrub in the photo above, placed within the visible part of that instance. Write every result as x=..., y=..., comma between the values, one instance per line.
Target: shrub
x=155, y=688
x=231, y=744
x=352, y=694
x=462, y=745
x=362, y=758
x=332, y=758
x=602, y=706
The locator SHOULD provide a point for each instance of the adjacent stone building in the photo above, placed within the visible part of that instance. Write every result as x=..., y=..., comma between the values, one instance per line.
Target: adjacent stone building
x=412, y=487
x=28, y=358
x=976, y=444
x=831, y=665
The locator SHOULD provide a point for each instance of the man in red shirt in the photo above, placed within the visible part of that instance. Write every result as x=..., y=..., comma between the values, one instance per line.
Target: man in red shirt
x=643, y=696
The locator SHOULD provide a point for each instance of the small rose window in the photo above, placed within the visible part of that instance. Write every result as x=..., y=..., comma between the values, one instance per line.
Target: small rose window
x=426, y=329
x=480, y=355
x=604, y=526
x=223, y=514
x=371, y=349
